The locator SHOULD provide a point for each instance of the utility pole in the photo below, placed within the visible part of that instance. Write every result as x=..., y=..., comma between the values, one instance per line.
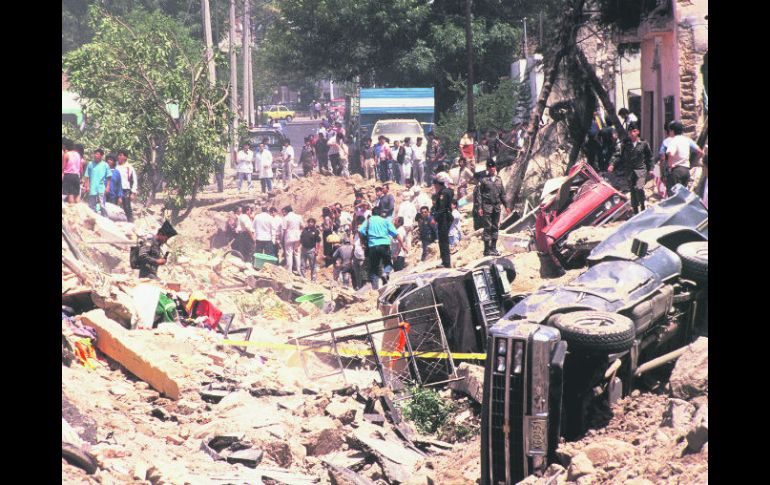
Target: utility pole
x=233, y=84
x=245, y=55
x=469, y=50
x=209, y=48
x=541, y=30
x=526, y=47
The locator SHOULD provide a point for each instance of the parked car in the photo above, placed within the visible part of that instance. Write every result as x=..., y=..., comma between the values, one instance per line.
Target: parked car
x=397, y=129
x=279, y=112
x=583, y=199
x=565, y=352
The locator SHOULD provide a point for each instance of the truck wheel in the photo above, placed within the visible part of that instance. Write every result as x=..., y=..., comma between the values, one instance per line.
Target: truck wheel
x=595, y=331
x=695, y=260
x=289, y=118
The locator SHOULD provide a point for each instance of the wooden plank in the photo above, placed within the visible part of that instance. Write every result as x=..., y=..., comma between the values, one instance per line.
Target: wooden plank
x=148, y=363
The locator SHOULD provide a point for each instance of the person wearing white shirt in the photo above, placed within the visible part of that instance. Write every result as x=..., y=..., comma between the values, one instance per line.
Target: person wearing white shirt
x=264, y=161
x=288, y=162
x=406, y=168
x=245, y=234
x=397, y=251
x=334, y=154
x=419, y=151
x=455, y=234
x=407, y=211
x=244, y=166
x=678, y=156
x=263, y=231
x=292, y=230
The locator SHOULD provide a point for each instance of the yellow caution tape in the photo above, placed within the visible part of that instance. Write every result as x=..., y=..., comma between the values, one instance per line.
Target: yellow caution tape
x=353, y=352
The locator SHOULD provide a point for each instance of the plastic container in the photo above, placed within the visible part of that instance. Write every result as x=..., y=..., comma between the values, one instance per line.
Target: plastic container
x=316, y=299
x=260, y=259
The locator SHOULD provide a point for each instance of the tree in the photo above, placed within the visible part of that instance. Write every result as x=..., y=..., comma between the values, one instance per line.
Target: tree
x=129, y=74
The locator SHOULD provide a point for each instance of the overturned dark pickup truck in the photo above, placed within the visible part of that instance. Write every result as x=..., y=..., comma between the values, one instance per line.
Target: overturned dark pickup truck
x=563, y=353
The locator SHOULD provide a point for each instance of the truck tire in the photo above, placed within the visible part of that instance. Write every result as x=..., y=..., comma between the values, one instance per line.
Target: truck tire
x=695, y=260
x=289, y=118
x=595, y=331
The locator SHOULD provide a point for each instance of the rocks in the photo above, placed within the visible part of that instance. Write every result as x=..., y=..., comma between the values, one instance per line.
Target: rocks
x=678, y=415
x=580, y=465
x=325, y=441
x=608, y=449
x=689, y=378
x=308, y=309
x=473, y=382
x=345, y=411
x=248, y=457
x=345, y=476
x=279, y=452
x=699, y=433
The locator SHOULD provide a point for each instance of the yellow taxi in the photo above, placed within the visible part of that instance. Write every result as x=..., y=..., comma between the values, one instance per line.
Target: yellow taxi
x=279, y=112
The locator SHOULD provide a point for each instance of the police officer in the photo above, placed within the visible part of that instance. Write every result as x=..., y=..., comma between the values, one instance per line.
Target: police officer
x=442, y=214
x=150, y=256
x=634, y=162
x=487, y=198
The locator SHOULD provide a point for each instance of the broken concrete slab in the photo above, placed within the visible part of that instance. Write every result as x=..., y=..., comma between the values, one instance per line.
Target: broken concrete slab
x=145, y=361
x=690, y=377
x=249, y=457
x=339, y=475
x=472, y=383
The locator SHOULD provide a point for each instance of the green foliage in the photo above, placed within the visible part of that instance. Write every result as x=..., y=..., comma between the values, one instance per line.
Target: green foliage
x=426, y=409
x=494, y=109
x=133, y=68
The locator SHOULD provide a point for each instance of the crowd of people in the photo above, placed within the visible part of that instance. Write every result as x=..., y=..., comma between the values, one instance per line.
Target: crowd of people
x=109, y=179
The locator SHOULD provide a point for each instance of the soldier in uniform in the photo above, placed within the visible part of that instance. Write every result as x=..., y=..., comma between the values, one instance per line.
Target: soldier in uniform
x=633, y=162
x=442, y=214
x=150, y=256
x=487, y=198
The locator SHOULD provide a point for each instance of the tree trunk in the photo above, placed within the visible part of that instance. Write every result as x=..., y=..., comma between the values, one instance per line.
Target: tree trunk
x=209, y=43
x=245, y=58
x=601, y=93
x=569, y=28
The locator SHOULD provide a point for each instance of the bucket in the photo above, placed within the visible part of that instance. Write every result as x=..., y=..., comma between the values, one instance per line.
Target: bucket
x=260, y=260
x=316, y=299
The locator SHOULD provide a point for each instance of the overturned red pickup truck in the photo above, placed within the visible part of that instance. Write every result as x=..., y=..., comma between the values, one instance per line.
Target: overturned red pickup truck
x=584, y=199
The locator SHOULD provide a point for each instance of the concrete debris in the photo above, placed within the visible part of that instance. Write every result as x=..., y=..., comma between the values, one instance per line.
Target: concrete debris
x=579, y=466
x=472, y=383
x=699, y=432
x=690, y=377
x=678, y=415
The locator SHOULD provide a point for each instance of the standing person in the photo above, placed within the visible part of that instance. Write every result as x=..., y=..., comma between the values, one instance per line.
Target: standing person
x=359, y=255
x=367, y=160
x=384, y=157
x=607, y=138
x=437, y=162
x=310, y=241
x=635, y=162
x=245, y=166
x=70, y=170
x=378, y=232
x=344, y=152
x=316, y=110
x=343, y=262
x=265, y=160
x=292, y=230
x=150, y=256
x=407, y=211
x=593, y=144
x=468, y=147
x=455, y=233
x=307, y=158
x=442, y=212
x=128, y=179
x=288, y=162
x=327, y=230
x=426, y=226
x=245, y=234
x=277, y=228
x=114, y=189
x=406, y=167
x=263, y=231
x=399, y=153
x=322, y=152
x=334, y=153
x=418, y=164
x=678, y=156
x=488, y=196
x=483, y=152
x=396, y=253
x=96, y=176
x=387, y=203
x=628, y=118
x=464, y=176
